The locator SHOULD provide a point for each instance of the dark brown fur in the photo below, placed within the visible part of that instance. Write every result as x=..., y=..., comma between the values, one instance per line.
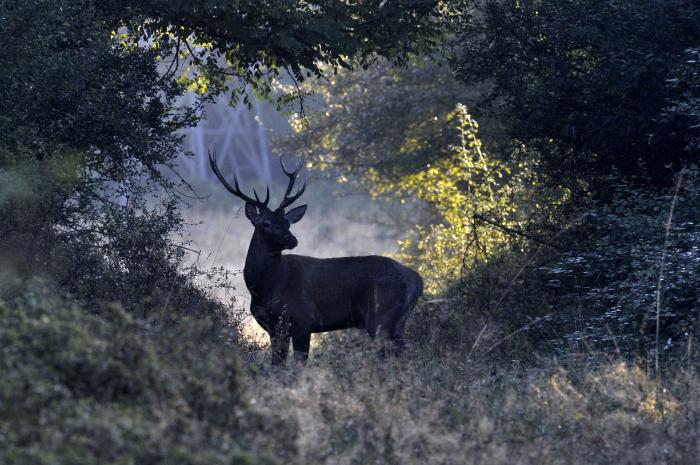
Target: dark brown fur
x=295, y=296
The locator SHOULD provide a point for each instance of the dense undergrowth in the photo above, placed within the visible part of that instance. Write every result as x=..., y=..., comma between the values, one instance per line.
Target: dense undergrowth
x=543, y=353
x=532, y=351
x=537, y=352
x=105, y=387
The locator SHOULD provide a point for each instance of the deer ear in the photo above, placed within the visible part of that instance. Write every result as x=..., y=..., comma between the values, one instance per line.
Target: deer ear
x=295, y=214
x=250, y=211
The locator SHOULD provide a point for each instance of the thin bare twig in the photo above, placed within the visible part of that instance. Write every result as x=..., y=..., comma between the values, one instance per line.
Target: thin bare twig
x=519, y=330
x=476, y=342
x=661, y=270
x=514, y=278
x=513, y=231
x=300, y=95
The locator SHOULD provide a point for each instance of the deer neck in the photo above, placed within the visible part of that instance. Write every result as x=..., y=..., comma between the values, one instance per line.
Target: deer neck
x=263, y=265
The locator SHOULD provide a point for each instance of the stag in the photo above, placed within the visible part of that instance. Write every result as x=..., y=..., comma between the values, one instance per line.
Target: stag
x=295, y=296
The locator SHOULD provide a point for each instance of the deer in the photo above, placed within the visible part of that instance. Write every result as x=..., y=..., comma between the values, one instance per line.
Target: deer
x=293, y=296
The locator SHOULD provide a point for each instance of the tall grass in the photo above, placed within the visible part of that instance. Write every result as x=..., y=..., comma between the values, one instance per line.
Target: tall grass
x=442, y=406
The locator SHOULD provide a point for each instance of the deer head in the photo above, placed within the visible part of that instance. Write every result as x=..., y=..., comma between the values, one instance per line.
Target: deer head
x=273, y=225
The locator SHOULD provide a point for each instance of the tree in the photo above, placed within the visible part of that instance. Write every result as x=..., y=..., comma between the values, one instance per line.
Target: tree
x=90, y=125
x=401, y=134
x=88, y=128
x=385, y=119
x=583, y=84
x=255, y=40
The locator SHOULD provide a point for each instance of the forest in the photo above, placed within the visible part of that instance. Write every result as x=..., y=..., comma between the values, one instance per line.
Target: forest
x=536, y=162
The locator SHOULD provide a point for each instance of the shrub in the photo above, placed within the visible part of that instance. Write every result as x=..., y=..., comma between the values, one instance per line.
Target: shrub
x=89, y=388
x=606, y=284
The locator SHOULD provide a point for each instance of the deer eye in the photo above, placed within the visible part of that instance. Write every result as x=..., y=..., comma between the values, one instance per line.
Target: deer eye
x=266, y=223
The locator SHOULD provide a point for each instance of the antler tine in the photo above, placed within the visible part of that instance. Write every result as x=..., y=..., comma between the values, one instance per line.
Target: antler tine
x=267, y=196
x=292, y=175
x=235, y=190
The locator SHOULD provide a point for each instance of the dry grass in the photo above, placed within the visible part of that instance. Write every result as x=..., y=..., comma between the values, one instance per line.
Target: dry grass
x=348, y=407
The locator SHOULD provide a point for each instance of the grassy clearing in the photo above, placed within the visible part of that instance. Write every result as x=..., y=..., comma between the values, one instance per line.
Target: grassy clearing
x=348, y=407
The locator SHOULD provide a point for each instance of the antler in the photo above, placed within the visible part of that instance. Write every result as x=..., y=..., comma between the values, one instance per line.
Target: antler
x=236, y=190
x=292, y=175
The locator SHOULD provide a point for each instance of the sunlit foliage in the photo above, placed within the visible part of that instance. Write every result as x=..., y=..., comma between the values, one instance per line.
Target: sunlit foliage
x=402, y=135
x=479, y=200
x=391, y=120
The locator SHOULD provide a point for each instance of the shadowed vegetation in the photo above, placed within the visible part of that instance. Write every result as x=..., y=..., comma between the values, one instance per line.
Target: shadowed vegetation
x=536, y=160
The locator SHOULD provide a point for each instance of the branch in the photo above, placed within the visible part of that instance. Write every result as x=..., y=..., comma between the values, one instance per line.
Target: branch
x=510, y=230
x=299, y=93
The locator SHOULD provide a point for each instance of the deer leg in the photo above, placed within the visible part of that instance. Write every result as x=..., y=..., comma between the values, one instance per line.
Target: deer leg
x=279, y=340
x=369, y=309
x=392, y=323
x=301, y=339
x=280, y=348
x=397, y=340
x=412, y=293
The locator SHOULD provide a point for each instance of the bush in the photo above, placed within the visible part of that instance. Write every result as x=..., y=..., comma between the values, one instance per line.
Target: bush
x=584, y=85
x=592, y=286
x=89, y=388
x=606, y=284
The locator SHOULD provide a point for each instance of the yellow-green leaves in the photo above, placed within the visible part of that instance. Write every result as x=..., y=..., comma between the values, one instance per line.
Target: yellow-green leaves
x=198, y=83
x=477, y=198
